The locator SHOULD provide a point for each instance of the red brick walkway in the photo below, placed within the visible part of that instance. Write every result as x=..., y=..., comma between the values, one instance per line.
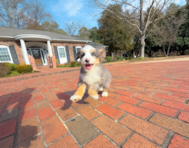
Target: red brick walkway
x=147, y=107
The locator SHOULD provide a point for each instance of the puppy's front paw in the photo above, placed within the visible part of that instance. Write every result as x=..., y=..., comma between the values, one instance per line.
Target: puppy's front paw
x=95, y=97
x=75, y=98
x=104, y=94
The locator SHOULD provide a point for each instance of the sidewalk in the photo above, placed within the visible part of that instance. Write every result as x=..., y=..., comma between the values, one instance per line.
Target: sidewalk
x=147, y=107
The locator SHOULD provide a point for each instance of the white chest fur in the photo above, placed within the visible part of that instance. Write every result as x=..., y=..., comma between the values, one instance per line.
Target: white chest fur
x=91, y=77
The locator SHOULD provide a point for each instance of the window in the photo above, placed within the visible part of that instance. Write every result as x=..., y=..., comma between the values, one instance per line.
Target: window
x=5, y=55
x=77, y=49
x=61, y=51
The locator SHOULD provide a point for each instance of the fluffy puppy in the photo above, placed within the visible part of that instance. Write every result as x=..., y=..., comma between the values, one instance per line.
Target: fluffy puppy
x=93, y=76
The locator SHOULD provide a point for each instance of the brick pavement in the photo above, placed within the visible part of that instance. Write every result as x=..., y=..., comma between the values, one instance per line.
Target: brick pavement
x=147, y=107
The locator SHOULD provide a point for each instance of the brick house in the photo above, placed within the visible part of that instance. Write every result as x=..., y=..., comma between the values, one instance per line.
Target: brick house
x=20, y=45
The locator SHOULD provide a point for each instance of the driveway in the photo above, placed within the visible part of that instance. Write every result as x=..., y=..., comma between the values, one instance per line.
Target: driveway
x=147, y=107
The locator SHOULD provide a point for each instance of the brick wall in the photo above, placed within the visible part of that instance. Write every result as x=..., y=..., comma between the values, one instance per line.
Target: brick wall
x=70, y=47
x=17, y=48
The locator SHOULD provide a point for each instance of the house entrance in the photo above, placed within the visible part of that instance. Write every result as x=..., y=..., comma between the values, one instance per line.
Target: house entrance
x=39, y=54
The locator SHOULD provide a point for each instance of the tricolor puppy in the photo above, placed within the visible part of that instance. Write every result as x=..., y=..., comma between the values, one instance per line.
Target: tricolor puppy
x=93, y=76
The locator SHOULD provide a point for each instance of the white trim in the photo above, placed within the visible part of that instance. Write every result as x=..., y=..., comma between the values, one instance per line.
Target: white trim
x=49, y=48
x=59, y=54
x=77, y=47
x=78, y=60
x=33, y=36
x=7, y=37
x=38, y=36
x=24, y=52
x=11, y=60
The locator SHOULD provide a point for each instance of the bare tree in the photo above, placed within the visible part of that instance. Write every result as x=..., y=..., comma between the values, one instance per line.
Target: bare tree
x=141, y=14
x=166, y=30
x=72, y=28
x=10, y=12
x=35, y=10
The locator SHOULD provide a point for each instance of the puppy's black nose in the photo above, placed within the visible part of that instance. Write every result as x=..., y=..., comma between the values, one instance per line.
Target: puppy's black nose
x=87, y=60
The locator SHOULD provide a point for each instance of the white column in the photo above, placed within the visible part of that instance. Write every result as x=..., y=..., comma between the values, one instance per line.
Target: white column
x=24, y=52
x=49, y=48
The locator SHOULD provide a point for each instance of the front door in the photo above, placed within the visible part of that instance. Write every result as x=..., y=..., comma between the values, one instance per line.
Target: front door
x=62, y=54
x=37, y=56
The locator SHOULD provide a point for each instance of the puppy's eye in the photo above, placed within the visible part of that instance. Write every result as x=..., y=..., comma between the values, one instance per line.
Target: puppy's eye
x=94, y=54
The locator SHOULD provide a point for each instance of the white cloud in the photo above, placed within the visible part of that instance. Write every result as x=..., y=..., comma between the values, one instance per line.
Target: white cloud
x=71, y=8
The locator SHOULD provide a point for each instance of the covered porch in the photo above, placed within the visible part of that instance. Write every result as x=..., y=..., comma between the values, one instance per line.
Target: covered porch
x=36, y=50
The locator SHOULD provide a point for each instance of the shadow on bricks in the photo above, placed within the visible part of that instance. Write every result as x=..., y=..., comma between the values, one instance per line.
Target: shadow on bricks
x=64, y=96
x=19, y=125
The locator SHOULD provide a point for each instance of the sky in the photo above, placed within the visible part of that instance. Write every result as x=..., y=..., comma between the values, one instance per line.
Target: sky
x=77, y=11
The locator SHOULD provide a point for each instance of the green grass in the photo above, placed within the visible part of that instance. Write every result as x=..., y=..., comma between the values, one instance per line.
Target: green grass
x=15, y=73
x=139, y=59
x=60, y=66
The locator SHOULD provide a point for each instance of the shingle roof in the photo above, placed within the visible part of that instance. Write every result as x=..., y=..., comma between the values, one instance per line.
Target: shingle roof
x=11, y=32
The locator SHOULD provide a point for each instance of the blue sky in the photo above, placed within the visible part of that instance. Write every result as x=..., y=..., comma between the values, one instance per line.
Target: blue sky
x=77, y=10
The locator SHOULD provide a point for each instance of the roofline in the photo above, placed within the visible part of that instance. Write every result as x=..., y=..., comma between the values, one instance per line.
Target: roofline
x=7, y=37
x=88, y=41
x=22, y=36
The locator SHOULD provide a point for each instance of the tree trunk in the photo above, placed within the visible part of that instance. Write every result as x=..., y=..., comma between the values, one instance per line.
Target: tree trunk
x=142, y=28
x=168, y=49
x=164, y=50
x=142, y=45
x=121, y=53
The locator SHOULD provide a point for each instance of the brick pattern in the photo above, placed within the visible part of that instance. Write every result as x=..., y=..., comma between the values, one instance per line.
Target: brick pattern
x=145, y=103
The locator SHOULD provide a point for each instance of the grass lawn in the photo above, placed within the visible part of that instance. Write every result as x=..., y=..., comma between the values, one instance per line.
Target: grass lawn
x=15, y=73
x=60, y=66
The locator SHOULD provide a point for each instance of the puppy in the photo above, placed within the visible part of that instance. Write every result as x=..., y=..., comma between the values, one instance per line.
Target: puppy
x=93, y=76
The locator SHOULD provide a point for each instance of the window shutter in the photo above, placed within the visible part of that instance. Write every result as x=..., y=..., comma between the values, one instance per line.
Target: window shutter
x=56, y=53
x=67, y=53
x=14, y=55
x=75, y=55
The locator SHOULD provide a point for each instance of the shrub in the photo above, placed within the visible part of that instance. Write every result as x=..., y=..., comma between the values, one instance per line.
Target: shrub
x=73, y=64
x=24, y=68
x=79, y=64
x=128, y=58
x=118, y=57
x=12, y=66
x=4, y=69
x=108, y=59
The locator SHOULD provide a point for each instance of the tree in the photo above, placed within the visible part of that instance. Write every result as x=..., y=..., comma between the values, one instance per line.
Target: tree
x=10, y=11
x=137, y=13
x=94, y=35
x=84, y=33
x=60, y=31
x=35, y=11
x=115, y=33
x=53, y=27
x=182, y=42
x=72, y=28
x=167, y=29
